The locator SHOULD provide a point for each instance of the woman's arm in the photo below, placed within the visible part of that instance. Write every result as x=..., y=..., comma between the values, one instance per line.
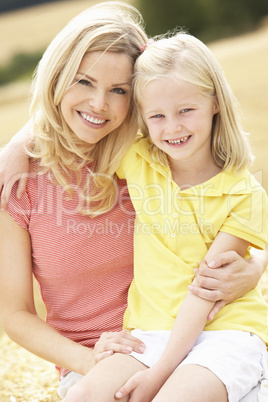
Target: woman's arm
x=14, y=163
x=19, y=317
x=189, y=323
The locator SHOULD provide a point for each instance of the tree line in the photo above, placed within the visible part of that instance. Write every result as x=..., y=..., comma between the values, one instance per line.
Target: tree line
x=9, y=5
x=206, y=19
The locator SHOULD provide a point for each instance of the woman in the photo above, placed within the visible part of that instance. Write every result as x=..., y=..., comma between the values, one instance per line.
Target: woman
x=73, y=227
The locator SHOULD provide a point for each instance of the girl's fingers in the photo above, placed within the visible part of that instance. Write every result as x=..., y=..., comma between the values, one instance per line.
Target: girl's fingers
x=7, y=188
x=22, y=185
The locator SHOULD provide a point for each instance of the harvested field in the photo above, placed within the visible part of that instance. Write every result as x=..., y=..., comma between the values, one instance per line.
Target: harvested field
x=25, y=377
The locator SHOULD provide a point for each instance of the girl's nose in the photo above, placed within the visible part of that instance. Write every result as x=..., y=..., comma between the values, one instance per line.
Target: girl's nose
x=173, y=126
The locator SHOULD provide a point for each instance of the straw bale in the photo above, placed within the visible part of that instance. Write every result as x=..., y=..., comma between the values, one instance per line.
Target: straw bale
x=25, y=377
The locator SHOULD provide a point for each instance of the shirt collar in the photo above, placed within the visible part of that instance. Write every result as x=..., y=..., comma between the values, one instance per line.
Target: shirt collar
x=225, y=182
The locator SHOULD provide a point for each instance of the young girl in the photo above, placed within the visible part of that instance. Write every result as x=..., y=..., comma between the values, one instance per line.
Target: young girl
x=193, y=198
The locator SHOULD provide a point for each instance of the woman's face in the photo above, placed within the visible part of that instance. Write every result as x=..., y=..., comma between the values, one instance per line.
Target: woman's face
x=98, y=100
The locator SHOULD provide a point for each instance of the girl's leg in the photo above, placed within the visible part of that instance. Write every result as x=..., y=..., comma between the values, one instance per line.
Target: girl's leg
x=191, y=383
x=101, y=383
x=68, y=382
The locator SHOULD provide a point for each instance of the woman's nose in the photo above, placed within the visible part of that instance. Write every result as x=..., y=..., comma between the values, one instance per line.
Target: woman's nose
x=98, y=101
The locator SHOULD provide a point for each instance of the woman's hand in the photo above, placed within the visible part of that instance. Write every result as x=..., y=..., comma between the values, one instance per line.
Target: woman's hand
x=227, y=279
x=116, y=342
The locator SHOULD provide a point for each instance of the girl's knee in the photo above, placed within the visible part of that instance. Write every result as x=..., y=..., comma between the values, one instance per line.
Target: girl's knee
x=82, y=392
x=77, y=393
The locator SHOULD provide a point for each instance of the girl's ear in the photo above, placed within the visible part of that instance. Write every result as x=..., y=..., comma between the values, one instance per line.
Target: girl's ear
x=216, y=106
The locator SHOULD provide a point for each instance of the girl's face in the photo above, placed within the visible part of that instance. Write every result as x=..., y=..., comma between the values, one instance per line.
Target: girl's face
x=179, y=118
x=98, y=101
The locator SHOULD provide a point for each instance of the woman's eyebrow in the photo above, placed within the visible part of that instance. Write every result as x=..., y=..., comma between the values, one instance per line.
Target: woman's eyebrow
x=94, y=80
x=86, y=76
x=121, y=84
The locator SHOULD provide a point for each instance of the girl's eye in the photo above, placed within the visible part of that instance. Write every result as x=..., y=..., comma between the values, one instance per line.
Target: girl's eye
x=84, y=82
x=157, y=116
x=185, y=110
x=119, y=91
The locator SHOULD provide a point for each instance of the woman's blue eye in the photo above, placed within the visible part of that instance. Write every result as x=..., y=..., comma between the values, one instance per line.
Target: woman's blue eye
x=119, y=91
x=84, y=82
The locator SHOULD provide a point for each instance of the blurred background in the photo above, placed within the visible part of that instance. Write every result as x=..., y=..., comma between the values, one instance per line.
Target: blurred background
x=237, y=33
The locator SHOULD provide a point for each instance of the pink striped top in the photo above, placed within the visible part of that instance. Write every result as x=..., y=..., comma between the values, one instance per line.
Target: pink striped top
x=83, y=265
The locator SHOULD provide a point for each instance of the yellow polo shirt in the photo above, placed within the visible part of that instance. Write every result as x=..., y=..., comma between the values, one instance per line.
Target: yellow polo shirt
x=174, y=229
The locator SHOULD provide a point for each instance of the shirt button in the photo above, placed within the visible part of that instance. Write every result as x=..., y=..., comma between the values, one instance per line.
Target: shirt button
x=169, y=180
x=179, y=195
x=172, y=235
x=175, y=215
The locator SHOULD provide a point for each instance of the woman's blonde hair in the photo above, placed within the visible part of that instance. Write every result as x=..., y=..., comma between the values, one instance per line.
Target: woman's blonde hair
x=109, y=26
x=184, y=57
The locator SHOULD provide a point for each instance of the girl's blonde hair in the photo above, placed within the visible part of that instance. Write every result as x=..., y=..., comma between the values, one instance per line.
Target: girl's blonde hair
x=184, y=57
x=109, y=26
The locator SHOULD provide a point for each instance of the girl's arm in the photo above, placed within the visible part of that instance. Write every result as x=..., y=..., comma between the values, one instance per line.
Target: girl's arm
x=19, y=317
x=188, y=325
x=14, y=163
x=230, y=278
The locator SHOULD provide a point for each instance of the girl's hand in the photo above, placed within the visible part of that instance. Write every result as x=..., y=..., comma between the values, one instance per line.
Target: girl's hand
x=142, y=386
x=14, y=163
x=116, y=342
x=229, y=278
x=14, y=166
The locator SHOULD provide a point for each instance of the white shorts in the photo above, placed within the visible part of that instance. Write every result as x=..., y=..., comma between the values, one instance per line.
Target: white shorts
x=67, y=381
x=238, y=350
x=237, y=358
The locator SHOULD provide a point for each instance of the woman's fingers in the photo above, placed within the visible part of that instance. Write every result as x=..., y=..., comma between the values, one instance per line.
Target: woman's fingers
x=217, y=307
x=210, y=295
x=103, y=355
x=118, y=342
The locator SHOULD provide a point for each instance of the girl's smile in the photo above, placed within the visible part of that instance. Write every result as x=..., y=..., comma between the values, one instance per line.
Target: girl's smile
x=179, y=141
x=98, y=100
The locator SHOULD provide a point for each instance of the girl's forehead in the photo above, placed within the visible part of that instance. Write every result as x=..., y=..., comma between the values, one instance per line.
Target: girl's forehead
x=171, y=84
